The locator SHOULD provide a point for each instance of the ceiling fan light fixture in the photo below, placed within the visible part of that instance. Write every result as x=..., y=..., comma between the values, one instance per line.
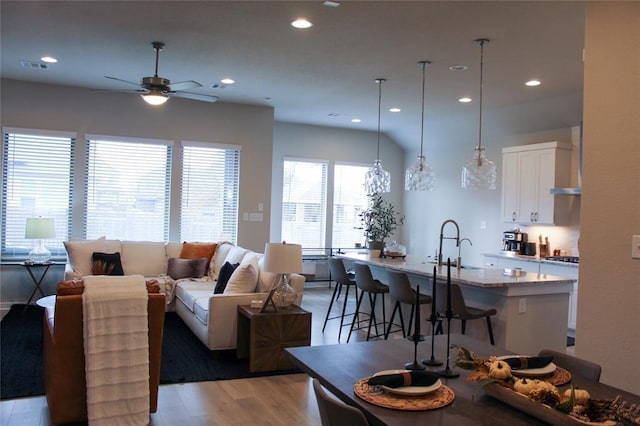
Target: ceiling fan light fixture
x=155, y=98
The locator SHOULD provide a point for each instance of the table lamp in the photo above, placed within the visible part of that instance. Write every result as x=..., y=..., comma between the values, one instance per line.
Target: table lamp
x=39, y=228
x=283, y=259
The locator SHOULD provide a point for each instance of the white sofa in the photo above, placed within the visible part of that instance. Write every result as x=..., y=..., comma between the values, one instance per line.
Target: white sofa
x=211, y=317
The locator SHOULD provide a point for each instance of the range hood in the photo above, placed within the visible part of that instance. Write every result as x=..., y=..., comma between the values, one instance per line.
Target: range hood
x=577, y=190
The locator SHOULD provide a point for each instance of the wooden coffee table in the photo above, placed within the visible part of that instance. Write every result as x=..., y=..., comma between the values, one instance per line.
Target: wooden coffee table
x=263, y=336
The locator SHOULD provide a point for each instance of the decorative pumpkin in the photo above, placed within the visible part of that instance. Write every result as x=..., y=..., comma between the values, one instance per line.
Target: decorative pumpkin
x=524, y=386
x=499, y=370
x=581, y=395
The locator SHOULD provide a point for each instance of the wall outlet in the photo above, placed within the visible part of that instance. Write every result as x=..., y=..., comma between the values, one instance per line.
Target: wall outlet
x=522, y=305
x=483, y=224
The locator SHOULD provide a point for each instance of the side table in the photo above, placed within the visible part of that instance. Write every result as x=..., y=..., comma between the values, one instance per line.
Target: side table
x=36, y=281
x=263, y=336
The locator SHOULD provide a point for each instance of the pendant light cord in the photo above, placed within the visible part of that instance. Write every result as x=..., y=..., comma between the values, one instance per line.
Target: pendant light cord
x=424, y=66
x=482, y=41
x=379, y=81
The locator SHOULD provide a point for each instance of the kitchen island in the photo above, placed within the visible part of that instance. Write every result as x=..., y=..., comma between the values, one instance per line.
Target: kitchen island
x=532, y=307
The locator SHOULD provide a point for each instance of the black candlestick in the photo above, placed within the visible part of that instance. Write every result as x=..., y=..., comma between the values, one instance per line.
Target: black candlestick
x=448, y=372
x=434, y=318
x=415, y=365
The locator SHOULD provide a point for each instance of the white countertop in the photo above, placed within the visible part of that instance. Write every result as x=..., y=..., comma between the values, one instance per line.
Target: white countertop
x=471, y=276
x=533, y=259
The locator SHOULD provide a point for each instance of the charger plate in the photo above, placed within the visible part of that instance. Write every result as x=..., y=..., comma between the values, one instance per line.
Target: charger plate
x=376, y=396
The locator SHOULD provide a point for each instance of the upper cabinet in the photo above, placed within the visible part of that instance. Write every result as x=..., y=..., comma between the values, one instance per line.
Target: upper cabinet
x=528, y=174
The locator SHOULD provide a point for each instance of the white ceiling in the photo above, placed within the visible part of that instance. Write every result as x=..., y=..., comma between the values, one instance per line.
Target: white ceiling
x=323, y=75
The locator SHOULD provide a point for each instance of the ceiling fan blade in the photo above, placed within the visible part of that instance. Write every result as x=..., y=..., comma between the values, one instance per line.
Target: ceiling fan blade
x=195, y=96
x=183, y=85
x=122, y=81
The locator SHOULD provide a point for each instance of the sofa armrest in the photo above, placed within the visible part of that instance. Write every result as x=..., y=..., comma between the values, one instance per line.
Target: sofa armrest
x=223, y=318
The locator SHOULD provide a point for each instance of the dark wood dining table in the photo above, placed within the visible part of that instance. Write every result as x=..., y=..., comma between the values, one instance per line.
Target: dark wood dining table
x=339, y=367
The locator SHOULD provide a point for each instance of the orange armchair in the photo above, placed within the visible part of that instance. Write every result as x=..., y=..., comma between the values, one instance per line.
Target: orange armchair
x=64, y=363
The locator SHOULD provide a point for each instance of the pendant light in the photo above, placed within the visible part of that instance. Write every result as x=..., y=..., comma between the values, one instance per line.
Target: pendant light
x=420, y=177
x=479, y=172
x=377, y=179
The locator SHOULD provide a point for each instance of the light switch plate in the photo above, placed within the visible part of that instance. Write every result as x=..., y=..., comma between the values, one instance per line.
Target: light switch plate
x=635, y=247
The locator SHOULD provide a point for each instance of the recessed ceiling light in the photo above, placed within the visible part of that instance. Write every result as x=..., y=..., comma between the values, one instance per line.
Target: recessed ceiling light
x=331, y=3
x=227, y=81
x=458, y=67
x=394, y=109
x=533, y=83
x=301, y=23
x=355, y=120
x=268, y=99
x=465, y=100
x=49, y=59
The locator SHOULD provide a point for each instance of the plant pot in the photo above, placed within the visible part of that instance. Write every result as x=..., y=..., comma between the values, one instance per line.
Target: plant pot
x=376, y=248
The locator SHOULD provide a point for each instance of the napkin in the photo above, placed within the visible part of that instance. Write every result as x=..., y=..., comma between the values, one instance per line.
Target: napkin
x=408, y=378
x=526, y=362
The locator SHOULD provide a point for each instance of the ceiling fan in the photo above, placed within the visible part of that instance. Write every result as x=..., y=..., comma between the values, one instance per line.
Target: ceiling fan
x=157, y=90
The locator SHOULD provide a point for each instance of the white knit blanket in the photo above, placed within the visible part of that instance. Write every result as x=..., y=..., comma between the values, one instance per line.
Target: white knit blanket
x=116, y=349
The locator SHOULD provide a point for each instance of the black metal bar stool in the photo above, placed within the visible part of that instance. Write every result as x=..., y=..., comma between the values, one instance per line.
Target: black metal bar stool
x=400, y=290
x=343, y=279
x=460, y=309
x=372, y=287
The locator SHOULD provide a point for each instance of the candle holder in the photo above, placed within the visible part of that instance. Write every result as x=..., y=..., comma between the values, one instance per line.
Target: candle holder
x=434, y=318
x=448, y=372
x=415, y=365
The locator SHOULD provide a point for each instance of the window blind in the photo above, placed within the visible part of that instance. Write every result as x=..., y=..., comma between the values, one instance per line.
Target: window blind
x=127, y=188
x=210, y=192
x=349, y=197
x=304, y=203
x=37, y=176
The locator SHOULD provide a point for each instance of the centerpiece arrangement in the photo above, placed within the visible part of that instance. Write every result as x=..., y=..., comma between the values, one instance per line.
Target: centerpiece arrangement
x=378, y=221
x=541, y=397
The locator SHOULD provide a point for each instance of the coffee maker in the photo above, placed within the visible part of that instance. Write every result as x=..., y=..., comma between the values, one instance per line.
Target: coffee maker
x=514, y=241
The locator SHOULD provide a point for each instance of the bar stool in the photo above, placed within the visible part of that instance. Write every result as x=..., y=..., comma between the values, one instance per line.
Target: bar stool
x=343, y=279
x=400, y=290
x=460, y=309
x=366, y=284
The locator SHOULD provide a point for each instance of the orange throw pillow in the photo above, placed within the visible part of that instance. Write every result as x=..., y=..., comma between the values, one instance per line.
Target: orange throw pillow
x=198, y=250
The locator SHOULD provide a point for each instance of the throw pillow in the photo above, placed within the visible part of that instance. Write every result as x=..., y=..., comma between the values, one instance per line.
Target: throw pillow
x=79, y=254
x=106, y=264
x=197, y=250
x=244, y=279
x=223, y=277
x=187, y=268
x=266, y=280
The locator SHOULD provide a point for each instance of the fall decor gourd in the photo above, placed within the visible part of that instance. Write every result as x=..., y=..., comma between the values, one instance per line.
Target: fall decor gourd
x=499, y=370
x=581, y=395
x=524, y=386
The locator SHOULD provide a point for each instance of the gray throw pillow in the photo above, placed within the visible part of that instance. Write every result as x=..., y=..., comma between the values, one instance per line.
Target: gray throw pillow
x=187, y=268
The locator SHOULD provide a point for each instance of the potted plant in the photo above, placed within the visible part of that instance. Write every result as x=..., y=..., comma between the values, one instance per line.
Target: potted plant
x=378, y=220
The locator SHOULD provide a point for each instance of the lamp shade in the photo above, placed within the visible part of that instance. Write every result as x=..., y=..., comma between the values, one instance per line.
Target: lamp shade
x=283, y=258
x=40, y=228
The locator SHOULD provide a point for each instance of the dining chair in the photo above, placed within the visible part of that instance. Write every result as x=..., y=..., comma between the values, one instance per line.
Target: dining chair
x=334, y=412
x=400, y=290
x=587, y=369
x=372, y=287
x=460, y=309
x=343, y=279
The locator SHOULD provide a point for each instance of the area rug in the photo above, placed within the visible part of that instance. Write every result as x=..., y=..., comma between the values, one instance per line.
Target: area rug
x=184, y=357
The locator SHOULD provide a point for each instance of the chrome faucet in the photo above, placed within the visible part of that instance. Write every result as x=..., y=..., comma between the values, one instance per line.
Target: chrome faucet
x=459, y=265
x=442, y=237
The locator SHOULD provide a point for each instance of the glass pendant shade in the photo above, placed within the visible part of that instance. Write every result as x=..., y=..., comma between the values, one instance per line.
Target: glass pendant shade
x=420, y=176
x=377, y=179
x=479, y=172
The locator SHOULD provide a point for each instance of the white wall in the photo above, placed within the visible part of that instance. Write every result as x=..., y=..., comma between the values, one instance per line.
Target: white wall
x=609, y=297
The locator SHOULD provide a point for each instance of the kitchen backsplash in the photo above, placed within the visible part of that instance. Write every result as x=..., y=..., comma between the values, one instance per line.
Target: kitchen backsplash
x=563, y=238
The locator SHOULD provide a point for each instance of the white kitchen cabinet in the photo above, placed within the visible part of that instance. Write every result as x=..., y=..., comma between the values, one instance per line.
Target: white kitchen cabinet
x=528, y=173
x=569, y=272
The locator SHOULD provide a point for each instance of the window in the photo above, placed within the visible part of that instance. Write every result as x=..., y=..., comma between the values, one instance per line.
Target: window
x=36, y=181
x=304, y=203
x=210, y=187
x=349, y=197
x=127, y=188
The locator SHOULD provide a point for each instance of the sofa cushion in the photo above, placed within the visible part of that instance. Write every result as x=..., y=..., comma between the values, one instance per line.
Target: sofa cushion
x=112, y=246
x=187, y=268
x=201, y=309
x=106, y=263
x=173, y=249
x=79, y=254
x=244, y=279
x=198, y=250
x=223, y=277
x=236, y=254
x=266, y=280
x=190, y=291
x=219, y=258
x=144, y=258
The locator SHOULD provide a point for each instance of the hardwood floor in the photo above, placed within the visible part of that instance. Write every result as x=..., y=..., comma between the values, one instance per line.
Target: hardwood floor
x=275, y=400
